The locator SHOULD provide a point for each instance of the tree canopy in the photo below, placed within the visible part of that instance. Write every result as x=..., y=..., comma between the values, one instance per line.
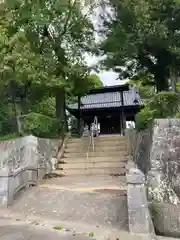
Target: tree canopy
x=42, y=46
x=143, y=36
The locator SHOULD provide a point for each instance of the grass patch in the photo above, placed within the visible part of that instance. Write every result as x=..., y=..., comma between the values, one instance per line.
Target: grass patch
x=59, y=228
x=9, y=136
x=91, y=234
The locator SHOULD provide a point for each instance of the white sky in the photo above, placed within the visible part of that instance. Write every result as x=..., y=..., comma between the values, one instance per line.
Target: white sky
x=107, y=77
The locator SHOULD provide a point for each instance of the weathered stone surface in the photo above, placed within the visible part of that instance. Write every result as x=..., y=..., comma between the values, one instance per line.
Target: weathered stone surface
x=18, y=153
x=166, y=219
x=4, y=187
x=135, y=179
x=158, y=156
x=23, y=162
x=138, y=213
x=165, y=161
x=140, y=146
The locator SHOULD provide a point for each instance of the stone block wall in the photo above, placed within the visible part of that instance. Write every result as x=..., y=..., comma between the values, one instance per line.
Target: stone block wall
x=164, y=175
x=157, y=153
x=47, y=150
x=23, y=162
x=139, y=145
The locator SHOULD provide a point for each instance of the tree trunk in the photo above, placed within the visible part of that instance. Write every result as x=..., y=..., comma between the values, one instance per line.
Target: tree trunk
x=161, y=82
x=17, y=112
x=174, y=80
x=61, y=108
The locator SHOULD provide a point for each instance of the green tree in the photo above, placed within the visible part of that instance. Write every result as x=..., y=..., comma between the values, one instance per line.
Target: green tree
x=19, y=66
x=42, y=45
x=94, y=81
x=161, y=105
x=143, y=36
x=144, y=82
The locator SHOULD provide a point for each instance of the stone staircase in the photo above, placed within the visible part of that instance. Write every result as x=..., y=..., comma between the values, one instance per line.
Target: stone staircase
x=108, y=157
x=88, y=198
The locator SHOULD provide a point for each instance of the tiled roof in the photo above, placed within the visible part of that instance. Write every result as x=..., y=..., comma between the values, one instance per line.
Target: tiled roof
x=109, y=100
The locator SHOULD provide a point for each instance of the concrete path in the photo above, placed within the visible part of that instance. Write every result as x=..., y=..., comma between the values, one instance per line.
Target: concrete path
x=74, y=206
x=70, y=209
x=10, y=230
x=74, y=200
x=87, y=204
x=23, y=230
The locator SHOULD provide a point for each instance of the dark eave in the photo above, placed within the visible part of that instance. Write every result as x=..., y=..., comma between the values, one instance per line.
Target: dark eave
x=108, y=89
x=108, y=99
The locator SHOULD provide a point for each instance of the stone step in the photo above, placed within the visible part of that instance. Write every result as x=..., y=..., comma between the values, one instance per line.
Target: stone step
x=89, y=164
x=97, y=159
x=101, y=138
x=92, y=171
x=111, y=154
x=97, y=142
x=112, y=137
x=98, y=147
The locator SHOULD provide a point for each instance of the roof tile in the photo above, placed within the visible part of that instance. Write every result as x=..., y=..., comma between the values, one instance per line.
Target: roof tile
x=111, y=99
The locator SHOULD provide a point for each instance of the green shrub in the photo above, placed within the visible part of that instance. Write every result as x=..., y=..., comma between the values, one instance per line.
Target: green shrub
x=9, y=136
x=165, y=104
x=41, y=126
x=144, y=118
x=178, y=115
x=162, y=105
x=5, y=116
x=47, y=107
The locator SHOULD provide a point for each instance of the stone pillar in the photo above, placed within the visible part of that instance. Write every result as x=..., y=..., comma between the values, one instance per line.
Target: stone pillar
x=4, y=183
x=139, y=218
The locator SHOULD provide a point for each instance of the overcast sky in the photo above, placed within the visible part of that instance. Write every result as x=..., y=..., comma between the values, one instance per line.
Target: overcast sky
x=107, y=77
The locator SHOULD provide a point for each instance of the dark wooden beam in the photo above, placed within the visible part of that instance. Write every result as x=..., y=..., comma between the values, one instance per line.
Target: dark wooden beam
x=122, y=116
x=79, y=115
x=117, y=88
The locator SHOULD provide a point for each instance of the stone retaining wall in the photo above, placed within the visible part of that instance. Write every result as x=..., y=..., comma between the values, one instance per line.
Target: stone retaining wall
x=157, y=154
x=24, y=162
x=139, y=217
x=139, y=148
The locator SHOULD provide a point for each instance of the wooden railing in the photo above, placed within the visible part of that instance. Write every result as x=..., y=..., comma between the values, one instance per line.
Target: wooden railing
x=91, y=143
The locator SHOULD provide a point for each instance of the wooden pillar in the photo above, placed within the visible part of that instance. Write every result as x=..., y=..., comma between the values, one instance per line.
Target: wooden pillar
x=120, y=121
x=79, y=115
x=122, y=117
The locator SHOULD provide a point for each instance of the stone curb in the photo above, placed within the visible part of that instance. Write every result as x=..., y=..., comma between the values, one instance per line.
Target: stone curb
x=139, y=218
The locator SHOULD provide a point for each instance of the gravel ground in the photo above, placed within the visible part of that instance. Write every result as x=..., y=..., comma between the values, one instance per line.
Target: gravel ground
x=10, y=230
x=108, y=210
